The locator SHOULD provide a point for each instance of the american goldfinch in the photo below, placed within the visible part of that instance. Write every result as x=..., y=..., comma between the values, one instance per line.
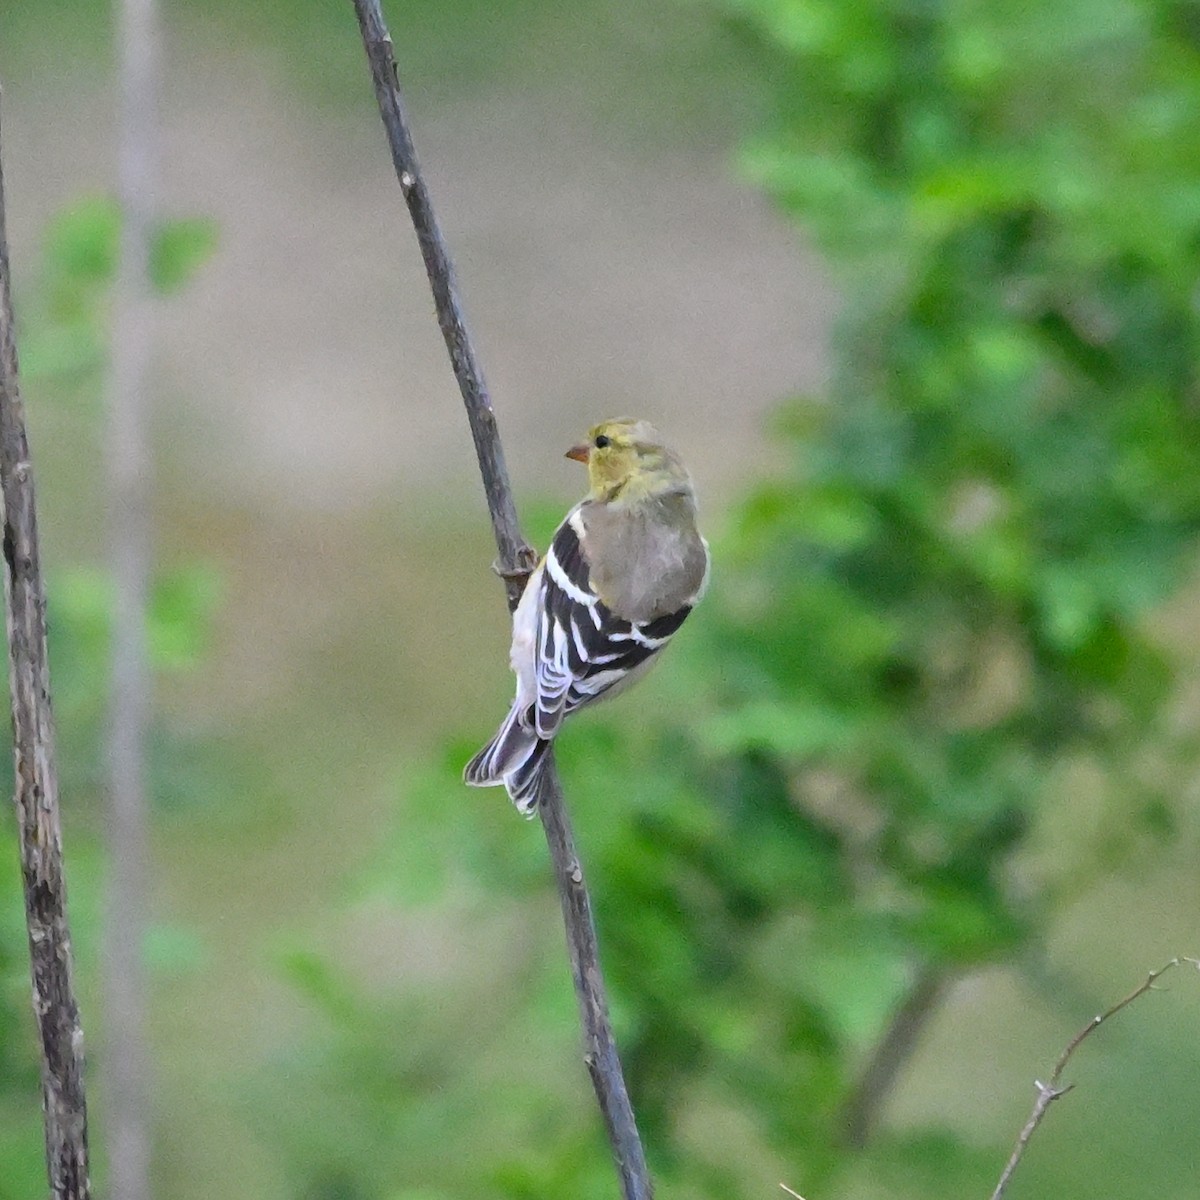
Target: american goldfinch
x=623, y=571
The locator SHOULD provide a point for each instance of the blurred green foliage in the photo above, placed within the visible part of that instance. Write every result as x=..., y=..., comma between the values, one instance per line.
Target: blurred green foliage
x=183, y=602
x=921, y=709
x=930, y=635
x=923, y=706
x=66, y=335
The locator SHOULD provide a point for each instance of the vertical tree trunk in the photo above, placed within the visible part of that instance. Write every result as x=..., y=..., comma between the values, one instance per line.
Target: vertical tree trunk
x=36, y=783
x=129, y=484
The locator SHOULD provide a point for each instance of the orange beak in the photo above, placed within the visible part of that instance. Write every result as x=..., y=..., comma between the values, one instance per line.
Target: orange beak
x=580, y=453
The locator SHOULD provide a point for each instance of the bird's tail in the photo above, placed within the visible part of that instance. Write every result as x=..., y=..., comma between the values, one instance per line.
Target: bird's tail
x=515, y=757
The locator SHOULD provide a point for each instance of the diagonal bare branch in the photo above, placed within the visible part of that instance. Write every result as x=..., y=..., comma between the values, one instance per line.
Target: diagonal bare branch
x=36, y=783
x=515, y=562
x=1054, y=1089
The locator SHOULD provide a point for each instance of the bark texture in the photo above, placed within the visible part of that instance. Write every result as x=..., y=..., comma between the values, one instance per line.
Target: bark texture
x=36, y=784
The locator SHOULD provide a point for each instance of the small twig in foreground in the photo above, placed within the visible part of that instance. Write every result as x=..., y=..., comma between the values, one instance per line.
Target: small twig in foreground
x=789, y=1191
x=1053, y=1089
x=36, y=784
x=515, y=562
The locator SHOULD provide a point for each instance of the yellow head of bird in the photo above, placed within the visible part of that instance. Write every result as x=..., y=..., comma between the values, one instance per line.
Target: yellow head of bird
x=625, y=458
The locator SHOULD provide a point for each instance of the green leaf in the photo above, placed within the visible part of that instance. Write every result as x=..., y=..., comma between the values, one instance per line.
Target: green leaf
x=321, y=982
x=183, y=604
x=180, y=248
x=81, y=243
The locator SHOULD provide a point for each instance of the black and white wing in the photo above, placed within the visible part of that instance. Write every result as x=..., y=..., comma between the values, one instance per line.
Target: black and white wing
x=582, y=649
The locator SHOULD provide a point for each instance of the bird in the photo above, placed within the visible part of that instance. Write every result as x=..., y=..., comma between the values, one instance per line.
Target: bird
x=623, y=571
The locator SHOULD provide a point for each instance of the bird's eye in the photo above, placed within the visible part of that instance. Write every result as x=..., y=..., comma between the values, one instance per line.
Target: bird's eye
x=602, y=441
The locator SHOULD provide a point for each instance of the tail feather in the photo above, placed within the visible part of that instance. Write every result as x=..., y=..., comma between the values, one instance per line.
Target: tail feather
x=515, y=757
x=525, y=783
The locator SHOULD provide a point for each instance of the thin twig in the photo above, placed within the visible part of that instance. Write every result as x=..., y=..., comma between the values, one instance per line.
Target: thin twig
x=600, y=1053
x=874, y=1085
x=36, y=784
x=516, y=560
x=129, y=485
x=1053, y=1089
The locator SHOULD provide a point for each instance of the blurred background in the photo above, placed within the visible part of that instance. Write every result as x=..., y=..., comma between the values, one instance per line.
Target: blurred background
x=913, y=287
